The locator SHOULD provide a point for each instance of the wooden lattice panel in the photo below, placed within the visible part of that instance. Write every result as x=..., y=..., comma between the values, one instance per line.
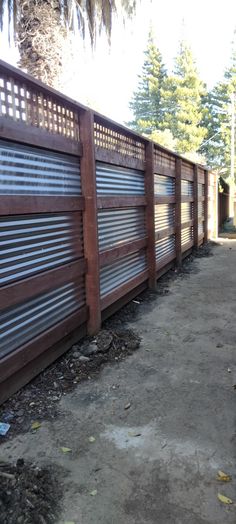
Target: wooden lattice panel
x=28, y=104
x=187, y=169
x=111, y=139
x=164, y=159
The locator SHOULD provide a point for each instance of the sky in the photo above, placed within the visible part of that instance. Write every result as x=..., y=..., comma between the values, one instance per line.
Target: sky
x=107, y=79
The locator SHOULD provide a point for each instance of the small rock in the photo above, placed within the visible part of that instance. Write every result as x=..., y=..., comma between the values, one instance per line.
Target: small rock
x=75, y=347
x=90, y=350
x=104, y=341
x=219, y=345
x=84, y=359
x=76, y=354
x=19, y=413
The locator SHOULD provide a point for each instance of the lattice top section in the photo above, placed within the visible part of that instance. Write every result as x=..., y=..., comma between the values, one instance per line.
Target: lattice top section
x=113, y=140
x=187, y=169
x=201, y=175
x=28, y=104
x=164, y=159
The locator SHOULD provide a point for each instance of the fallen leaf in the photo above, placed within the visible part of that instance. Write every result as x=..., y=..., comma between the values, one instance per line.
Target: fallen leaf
x=134, y=434
x=92, y=439
x=35, y=425
x=223, y=476
x=224, y=499
x=93, y=493
x=65, y=450
x=127, y=406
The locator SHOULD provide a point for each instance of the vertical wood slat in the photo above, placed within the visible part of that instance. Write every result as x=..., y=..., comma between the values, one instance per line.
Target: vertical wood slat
x=91, y=249
x=195, y=207
x=178, y=169
x=206, y=205
x=150, y=214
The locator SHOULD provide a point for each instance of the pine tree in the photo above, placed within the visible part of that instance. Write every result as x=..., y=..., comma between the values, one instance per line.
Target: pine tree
x=217, y=118
x=146, y=103
x=183, y=93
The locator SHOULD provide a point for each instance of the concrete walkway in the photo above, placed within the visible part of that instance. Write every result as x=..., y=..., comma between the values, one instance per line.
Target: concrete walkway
x=156, y=462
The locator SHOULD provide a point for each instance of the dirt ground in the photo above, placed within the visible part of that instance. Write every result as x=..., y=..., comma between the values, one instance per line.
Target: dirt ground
x=141, y=441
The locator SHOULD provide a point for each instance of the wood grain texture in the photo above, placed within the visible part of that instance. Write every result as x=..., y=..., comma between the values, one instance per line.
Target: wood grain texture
x=34, y=204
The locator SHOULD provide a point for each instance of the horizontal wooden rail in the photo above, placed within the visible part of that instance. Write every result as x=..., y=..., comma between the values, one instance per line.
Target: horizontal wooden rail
x=24, y=204
x=164, y=233
x=163, y=262
x=165, y=199
x=108, y=256
x=19, y=358
x=34, y=136
x=162, y=170
x=187, y=198
x=21, y=291
x=117, y=293
x=187, y=176
x=108, y=202
x=109, y=156
x=188, y=223
x=187, y=246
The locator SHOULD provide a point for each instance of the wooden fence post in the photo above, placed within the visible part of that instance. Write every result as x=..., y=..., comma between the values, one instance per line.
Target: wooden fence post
x=91, y=250
x=178, y=166
x=150, y=214
x=195, y=207
x=206, y=204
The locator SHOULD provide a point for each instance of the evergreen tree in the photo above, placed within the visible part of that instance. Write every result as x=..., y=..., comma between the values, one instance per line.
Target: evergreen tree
x=217, y=118
x=182, y=96
x=146, y=103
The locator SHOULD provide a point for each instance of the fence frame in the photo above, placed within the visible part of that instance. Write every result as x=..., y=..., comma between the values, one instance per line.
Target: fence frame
x=20, y=366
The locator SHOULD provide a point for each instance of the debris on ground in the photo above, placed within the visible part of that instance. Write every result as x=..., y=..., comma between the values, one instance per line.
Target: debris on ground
x=38, y=400
x=224, y=499
x=29, y=494
x=4, y=428
x=223, y=477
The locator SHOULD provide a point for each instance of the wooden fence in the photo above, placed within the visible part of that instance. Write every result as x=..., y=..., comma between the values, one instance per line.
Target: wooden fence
x=90, y=215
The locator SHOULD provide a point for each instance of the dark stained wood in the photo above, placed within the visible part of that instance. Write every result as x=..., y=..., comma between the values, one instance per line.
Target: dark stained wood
x=195, y=207
x=162, y=170
x=164, y=233
x=165, y=269
x=124, y=289
x=165, y=199
x=150, y=214
x=33, y=136
x=206, y=206
x=114, y=157
x=201, y=177
x=91, y=249
x=186, y=254
x=31, y=82
x=19, y=358
x=108, y=202
x=25, y=374
x=187, y=246
x=186, y=198
x=110, y=310
x=108, y=256
x=178, y=167
x=24, y=204
x=187, y=176
x=165, y=261
x=23, y=290
x=189, y=223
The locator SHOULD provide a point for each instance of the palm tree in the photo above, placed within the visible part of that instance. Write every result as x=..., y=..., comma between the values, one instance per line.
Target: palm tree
x=42, y=29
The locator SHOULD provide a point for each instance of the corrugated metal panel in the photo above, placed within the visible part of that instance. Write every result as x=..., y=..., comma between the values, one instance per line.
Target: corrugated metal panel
x=116, y=226
x=186, y=235
x=22, y=323
x=201, y=189
x=28, y=171
x=164, y=185
x=186, y=188
x=201, y=209
x=114, y=180
x=121, y=271
x=33, y=243
x=164, y=216
x=200, y=228
x=186, y=212
x=165, y=247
